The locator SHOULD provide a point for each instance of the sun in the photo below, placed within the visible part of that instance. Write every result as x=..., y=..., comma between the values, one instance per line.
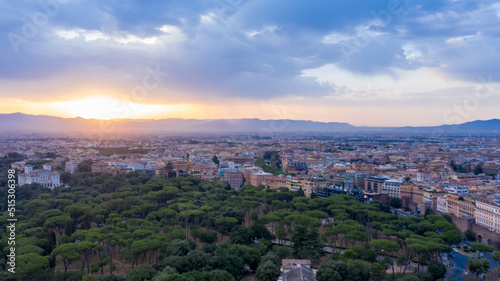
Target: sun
x=103, y=107
x=98, y=108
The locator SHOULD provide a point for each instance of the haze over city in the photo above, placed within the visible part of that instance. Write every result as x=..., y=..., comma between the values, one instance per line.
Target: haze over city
x=374, y=63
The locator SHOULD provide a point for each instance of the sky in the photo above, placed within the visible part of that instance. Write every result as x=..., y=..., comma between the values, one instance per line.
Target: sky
x=371, y=63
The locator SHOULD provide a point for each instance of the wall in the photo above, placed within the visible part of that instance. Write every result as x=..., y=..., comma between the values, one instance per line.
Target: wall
x=480, y=232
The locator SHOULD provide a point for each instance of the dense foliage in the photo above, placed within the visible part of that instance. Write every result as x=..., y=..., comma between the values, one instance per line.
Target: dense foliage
x=189, y=229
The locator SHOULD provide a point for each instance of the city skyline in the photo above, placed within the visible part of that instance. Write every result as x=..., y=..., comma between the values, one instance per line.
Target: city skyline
x=390, y=63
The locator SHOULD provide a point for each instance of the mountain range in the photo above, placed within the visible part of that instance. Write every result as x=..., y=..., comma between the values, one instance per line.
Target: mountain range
x=19, y=122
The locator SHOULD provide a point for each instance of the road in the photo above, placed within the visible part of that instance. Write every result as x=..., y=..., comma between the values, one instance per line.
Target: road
x=461, y=261
x=289, y=243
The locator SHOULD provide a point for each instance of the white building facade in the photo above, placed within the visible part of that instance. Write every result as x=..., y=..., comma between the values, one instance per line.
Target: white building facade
x=45, y=176
x=442, y=204
x=391, y=187
x=488, y=215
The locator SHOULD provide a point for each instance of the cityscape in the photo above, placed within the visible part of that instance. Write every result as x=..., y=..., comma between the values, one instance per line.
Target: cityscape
x=250, y=140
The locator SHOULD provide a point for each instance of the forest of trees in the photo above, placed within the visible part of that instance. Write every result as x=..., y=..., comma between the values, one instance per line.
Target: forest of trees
x=134, y=227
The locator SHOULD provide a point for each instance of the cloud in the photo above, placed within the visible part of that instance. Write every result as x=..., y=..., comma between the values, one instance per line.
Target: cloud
x=222, y=50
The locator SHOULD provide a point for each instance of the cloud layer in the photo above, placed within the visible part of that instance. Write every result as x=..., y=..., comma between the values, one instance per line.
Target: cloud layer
x=332, y=53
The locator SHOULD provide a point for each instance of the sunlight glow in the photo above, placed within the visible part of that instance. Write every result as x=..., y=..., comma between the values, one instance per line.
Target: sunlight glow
x=110, y=108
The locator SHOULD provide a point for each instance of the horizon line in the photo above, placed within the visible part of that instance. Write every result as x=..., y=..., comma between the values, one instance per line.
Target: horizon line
x=244, y=118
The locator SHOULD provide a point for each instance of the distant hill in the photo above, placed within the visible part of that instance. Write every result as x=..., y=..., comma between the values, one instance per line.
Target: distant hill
x=492, y=126
x=17, y=122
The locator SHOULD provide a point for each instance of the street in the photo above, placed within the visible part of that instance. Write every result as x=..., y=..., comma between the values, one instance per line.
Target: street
x=461, y=261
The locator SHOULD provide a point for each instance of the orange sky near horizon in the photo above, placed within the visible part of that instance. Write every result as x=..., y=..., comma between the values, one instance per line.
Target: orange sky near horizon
x=95, y=107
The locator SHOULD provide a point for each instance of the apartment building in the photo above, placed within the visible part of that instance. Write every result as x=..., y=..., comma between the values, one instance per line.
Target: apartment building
x=373, y=185
x=234, y=178
x=487, y=214
x=442, y=204
x=391, y=187
x=71, y=167
x=431, y=196
x=274, y=182
x=460, y=206
x=309, y=186
x=257, y=178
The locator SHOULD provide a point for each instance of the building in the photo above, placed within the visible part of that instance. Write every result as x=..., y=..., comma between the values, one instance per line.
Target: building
x=373, y=185
x=294, y=164
x=100, y=167
x=349, y=185
x=70, y=167
x=300, y=273
x=460, y=190
x=234, y=178
x=274, y=182
x=45, y=176
x=291, y=264
x=18, y=165
x=442, y=204
x=257, y=178
x=490, y=167
x=182, y=165
x=430, y=197
x=405, y=190
x=460, y=206
x=487, y=214
x=309, y=186
x=391, y=187
x=208, y=175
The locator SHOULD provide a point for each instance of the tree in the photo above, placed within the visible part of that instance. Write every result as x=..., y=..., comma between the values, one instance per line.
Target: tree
x=274, y=258
x=86, y=248
x=77, y=210
x=496, y=256
x=228, y=258
x=331, y=271
x=268, y=271
x=259, y=231
x=452, y=237
x=479, y=266
x=84, y=167
x=240, y=235
x=282, y=251
x=377, y=272
x=225, y=224
x=469, y=235
x=197, y=259
x=478, y=170
x=306, y=243
x=438, y=270
x=383, y=246
x=58, y=223
x=300, y=193
x=69, y=253
x=349, y=254
x=89, y=277
x=141, y=273
x=343, y=271
x=395, y=203
x=480, y=247
x=215, y=160
x=169, y=277
x=280, y=232
x=218, y=275
x=30, y=266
